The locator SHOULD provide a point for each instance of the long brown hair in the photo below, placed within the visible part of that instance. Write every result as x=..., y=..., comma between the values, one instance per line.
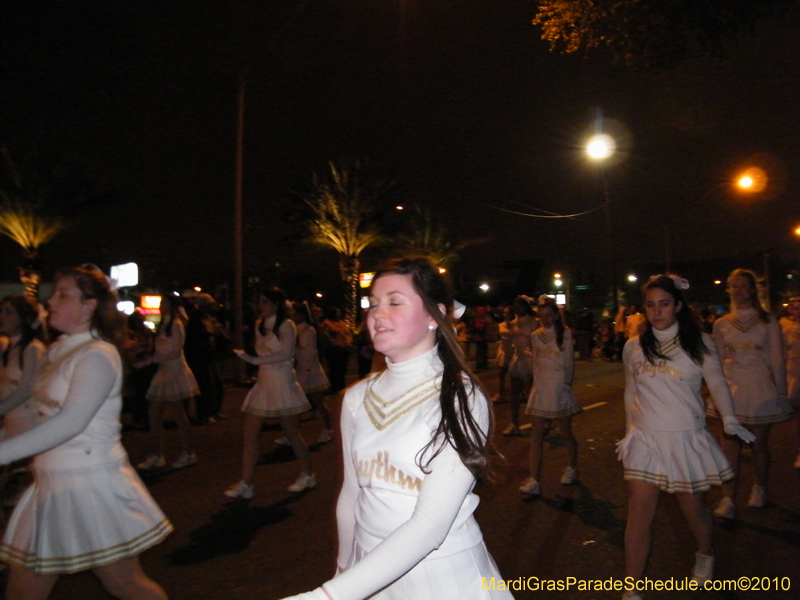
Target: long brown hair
x=457, y=426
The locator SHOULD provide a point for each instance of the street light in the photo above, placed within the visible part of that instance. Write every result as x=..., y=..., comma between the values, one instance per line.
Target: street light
x=600, y=148
x=754, y=180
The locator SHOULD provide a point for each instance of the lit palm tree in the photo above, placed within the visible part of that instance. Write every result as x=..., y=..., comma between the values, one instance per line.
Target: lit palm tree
x=39, y=197
x=20, y=222
x=346, y=211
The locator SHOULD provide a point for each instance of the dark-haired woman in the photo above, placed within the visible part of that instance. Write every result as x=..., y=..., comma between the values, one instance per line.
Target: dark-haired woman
x=551, y=395
x=172, y=385
x=86, y=509
x=22, y=358
x=276, y=395
x=415, y=439
x=750, y=344
x=667, y=446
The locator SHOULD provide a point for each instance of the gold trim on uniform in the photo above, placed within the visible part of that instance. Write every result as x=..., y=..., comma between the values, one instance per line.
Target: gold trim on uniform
x=745, y=326
x=383, y=413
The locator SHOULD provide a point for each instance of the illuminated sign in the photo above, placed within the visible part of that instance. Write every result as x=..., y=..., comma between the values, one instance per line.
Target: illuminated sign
x=149, y=311
x=151, y=302
x=365, y=279
x=126, y=275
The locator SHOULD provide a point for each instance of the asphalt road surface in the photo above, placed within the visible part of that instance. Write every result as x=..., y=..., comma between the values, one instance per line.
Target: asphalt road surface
x=281, y=543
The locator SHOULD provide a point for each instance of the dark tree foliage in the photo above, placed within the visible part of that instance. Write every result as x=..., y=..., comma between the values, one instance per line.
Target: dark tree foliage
x=653, y=34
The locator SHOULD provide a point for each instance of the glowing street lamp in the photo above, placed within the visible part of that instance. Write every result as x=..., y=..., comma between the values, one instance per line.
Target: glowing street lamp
x=754, y=179
x=484, y=287
x=600, y=148
x=633, y=278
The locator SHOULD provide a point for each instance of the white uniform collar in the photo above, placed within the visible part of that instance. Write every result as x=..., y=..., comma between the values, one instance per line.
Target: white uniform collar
x=665, y=335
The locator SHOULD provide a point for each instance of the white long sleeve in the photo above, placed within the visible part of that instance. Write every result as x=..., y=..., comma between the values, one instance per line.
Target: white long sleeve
x=94, y=377
x=345, y=506
x=442, y=494
x=715, y=379
x=777, y=356
x=32, y=360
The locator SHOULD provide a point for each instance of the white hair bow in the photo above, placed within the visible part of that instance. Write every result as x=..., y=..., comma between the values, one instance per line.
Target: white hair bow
x=680, y=282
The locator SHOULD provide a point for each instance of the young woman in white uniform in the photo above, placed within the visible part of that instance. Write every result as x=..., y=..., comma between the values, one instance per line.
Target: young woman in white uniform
x=87, y=508
x=667, y=446
x=551, y=396
x=415, y=439
x=749, y=342
x=172, y=385
x=276, y=394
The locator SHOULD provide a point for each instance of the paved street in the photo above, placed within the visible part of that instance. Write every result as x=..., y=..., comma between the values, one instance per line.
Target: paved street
x=280, y=543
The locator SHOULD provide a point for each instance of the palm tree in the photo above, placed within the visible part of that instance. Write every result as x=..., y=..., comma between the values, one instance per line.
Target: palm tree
x=40, y=195
x=346, y=212
x=21, y=222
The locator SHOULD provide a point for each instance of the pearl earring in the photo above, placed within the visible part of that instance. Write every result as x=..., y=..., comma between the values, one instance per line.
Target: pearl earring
x=431, y=328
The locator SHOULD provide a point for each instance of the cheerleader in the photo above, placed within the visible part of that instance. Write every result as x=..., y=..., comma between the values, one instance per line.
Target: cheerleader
x=22, y=357
x=520, y=367
x=415, y=440
x=790, y=326
x=667, y=446
x=310, y=374
x=172, y=385
x=277, y=394
x=87, y=508
x=551, y=396
x=505, y=350
x=749, y=341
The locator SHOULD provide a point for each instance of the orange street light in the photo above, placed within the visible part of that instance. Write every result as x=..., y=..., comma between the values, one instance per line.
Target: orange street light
x=753, y=179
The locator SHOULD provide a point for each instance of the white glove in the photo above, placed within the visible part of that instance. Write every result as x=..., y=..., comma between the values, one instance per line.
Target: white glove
x=733, y=427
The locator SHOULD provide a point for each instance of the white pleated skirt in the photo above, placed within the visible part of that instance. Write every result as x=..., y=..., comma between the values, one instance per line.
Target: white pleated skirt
x=687, y=461
x=459, y=576
x=173, y=381
x=276, y=393
x=71, y=520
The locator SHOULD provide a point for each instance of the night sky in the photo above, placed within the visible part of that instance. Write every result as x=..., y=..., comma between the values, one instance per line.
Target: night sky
x=459, y=99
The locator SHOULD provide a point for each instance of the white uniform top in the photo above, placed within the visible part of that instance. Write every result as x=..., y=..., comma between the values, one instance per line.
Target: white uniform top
x=665, y=396
x=16, y=386
x=389, y=510
x=791, y=345
x=77, y=398
x=521, y=364
x=752, y=358
x=551, y=395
